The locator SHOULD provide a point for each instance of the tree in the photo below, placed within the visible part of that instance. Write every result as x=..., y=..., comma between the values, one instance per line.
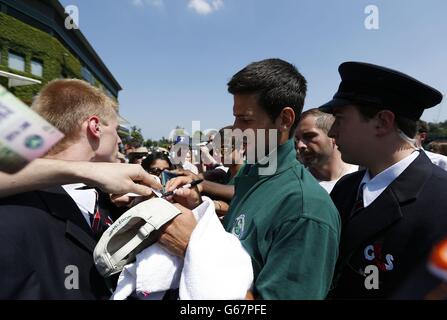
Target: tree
x=164, y=143
x=136, y=135
x=437, y=130
x=150, y=143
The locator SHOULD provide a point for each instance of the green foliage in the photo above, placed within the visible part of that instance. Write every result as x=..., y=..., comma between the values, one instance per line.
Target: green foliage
x=164, y=143
x=437, y=130
x=150, y=143
x=32, y=43
x=136, y=135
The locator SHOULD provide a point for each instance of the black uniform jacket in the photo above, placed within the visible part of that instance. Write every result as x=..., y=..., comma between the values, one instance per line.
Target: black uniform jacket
x=395, y=233
x=47, y=248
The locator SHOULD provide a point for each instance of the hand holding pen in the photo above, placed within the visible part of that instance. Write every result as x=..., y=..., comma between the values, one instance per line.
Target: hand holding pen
x=184, y=190
x=158, y=192
x=186, y=186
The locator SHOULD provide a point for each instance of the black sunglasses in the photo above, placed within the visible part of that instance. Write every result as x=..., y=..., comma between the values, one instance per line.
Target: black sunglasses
x=139, y=156
x=156, y=171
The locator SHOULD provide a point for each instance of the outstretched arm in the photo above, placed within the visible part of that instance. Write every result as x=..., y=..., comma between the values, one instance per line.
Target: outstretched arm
x=116, y=178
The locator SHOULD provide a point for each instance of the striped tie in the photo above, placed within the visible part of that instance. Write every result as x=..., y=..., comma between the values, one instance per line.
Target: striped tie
x=98, y=221
x=358, y=204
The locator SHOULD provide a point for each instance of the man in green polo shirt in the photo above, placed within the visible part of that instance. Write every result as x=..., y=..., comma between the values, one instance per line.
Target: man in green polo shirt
x=284, y=219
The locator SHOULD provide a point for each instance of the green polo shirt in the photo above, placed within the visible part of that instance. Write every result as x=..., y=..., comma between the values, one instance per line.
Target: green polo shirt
x=289, y=226
x=238, y=173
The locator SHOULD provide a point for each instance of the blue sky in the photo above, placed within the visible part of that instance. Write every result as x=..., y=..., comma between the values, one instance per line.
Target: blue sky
x=173, y=58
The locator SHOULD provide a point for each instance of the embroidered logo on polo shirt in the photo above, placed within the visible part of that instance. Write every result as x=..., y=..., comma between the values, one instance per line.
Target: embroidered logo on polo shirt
x=238, y=227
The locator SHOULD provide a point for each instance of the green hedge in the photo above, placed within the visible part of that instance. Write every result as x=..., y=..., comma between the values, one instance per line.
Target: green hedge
x=33, y=43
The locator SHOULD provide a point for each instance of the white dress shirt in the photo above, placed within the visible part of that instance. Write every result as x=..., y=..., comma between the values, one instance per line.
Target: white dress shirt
x=373, y=188
x=438, y=159
x=85, y=199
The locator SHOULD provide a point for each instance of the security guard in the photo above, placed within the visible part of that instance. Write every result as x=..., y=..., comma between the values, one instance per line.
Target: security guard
x=395, y=211
x=285, y=220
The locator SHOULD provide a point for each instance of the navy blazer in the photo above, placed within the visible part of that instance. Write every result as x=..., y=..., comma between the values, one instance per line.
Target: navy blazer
x=395, y=233
x=47, y=248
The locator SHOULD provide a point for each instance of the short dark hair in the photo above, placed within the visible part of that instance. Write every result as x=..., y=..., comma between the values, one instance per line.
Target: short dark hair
x=277, y=83
x=406, y=125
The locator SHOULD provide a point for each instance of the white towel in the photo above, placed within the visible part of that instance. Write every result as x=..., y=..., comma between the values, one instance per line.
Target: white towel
x=166, y=274
x=126, y=283
x=154, y=271
x=216, y=266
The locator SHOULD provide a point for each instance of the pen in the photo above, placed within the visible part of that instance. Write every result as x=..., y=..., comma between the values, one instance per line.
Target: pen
x=186, y=186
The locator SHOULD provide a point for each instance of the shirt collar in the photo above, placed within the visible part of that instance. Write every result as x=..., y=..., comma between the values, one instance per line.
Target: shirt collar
x=85, y=199
x=373, y=188
x=285, y=158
